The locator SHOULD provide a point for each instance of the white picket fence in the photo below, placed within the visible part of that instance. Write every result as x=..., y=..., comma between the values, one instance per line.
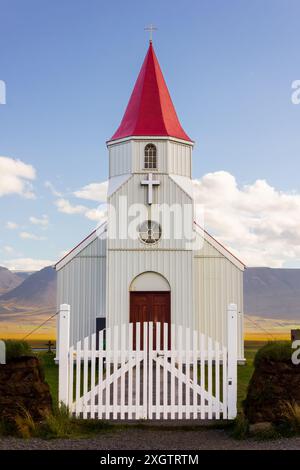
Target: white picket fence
x=138, y=372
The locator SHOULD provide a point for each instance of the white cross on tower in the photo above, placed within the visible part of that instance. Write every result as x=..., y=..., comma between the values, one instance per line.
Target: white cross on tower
x=150, y=183
x=150, y=28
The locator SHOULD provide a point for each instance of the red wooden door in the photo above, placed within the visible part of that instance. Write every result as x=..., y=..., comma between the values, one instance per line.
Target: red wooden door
x=150, y=306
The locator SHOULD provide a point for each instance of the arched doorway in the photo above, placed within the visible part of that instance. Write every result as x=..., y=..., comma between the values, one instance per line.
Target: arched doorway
x=150, y=301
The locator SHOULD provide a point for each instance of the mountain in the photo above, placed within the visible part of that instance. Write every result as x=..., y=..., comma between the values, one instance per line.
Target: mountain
x=271, y=297
x=8, y=280
x=23, y=274
x=272, y=293
x=268, y=292
x=37, y=290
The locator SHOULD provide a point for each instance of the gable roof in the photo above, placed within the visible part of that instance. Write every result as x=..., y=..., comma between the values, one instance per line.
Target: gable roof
x=150, y=110
x=219, y=247
x=80, y=246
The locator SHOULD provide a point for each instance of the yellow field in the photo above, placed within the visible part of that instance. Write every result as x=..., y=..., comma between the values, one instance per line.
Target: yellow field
x=262, y=329
x=46, y=336
x=17, y=325
x=249, y=336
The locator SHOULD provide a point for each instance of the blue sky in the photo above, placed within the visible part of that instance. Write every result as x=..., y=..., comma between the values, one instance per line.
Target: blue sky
x=69, y=68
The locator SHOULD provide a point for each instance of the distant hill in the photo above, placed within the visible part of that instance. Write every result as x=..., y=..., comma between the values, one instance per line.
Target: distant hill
x=8, y=280
x=37, y=290
x=268, y=293
x=272, y=293
x=24, y=274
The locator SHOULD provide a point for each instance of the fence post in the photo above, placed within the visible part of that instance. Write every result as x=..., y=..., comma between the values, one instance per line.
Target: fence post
x=63, y=354
x=232, y=360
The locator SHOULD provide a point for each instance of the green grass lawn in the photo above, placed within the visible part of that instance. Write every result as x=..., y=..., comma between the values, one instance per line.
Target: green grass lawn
x=51, y=373
x=244, y=371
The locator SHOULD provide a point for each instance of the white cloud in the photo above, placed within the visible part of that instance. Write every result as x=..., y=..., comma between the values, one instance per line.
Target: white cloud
x=66, y=207
x=11, y=225
x=8, y=249
x=42, y=221
x=63, y=253
x=30, y=236
x=26, y=264
x=96, y=214
x=16, y=177
x=259, y=223
x=93, y=192
x=53, y=190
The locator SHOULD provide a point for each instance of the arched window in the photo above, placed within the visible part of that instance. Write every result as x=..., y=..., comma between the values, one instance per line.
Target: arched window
x=150, y=162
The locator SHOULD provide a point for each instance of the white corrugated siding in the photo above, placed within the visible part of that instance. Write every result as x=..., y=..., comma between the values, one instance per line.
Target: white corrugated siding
x=127, y=258
x=82, y=284
x=217, y=283
x=128, y=157
x=168, y=193
x=175, y=266
x=179, y=158
x=120, y=159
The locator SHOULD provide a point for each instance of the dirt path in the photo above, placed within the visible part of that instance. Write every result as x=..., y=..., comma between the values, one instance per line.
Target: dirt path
x=154, y=439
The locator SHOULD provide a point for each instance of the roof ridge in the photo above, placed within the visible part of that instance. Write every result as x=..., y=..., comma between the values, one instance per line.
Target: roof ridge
x=155, y=63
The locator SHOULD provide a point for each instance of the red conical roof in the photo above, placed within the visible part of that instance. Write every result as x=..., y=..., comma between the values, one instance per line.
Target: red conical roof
x=150, y=110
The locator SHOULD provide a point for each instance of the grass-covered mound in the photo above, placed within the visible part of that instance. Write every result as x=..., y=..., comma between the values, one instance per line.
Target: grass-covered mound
x=23, y=389
x=274, y=351
x=273, y=395
x=16, y=349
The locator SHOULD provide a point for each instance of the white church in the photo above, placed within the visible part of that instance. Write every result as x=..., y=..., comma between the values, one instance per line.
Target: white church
x=151, y=260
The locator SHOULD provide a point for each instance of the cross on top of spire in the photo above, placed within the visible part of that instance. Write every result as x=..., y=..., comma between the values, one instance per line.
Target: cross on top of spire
x=150, y=28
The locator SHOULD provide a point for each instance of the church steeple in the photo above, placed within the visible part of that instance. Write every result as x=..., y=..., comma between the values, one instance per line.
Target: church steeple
x=150, y=111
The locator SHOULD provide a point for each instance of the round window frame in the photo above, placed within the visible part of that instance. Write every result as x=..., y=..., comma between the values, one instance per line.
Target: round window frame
x=145, y=241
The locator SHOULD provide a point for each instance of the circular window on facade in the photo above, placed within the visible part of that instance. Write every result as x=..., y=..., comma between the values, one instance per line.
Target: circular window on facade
x=149, y=232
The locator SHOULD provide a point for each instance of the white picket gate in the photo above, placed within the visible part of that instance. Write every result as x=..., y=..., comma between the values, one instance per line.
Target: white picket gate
x=137, y=371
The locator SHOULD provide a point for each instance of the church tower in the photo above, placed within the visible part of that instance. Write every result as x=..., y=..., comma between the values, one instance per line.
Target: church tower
x=151, y=261
x=150, y=216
